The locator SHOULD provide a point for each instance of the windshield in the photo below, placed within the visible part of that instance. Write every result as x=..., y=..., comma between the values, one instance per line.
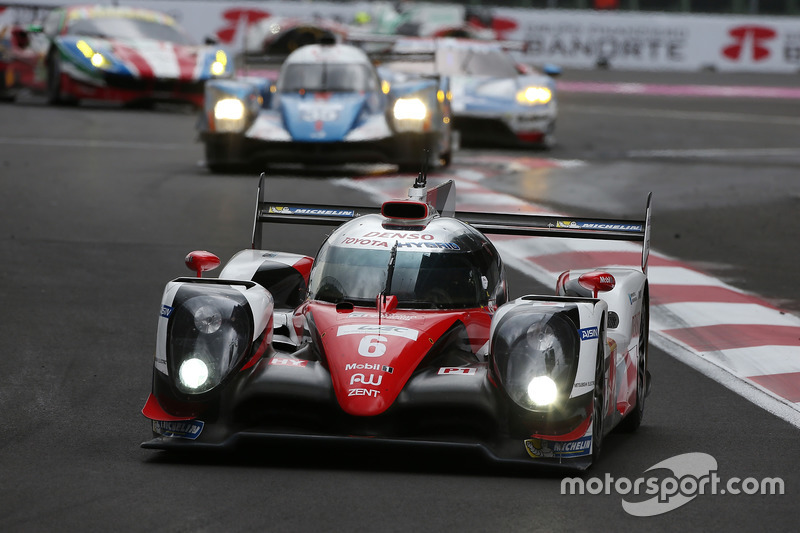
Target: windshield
x=336, y=77
x=127, y=28
x=475, y=62
x=421, y=280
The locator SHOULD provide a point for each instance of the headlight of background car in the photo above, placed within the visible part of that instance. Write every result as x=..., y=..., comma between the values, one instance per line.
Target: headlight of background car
x=209, y=333
x=535, y=356
x=97, y=59
x=410, y=114
x=534, y=95
x=220, y=64
x=229, y=115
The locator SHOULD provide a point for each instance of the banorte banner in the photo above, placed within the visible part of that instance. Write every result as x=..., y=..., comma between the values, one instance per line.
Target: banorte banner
x=572, y=39
x=654, y=41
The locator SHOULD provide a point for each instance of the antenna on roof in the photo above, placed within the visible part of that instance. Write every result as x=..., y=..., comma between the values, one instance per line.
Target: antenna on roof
x=420, y=188
x=422, y=179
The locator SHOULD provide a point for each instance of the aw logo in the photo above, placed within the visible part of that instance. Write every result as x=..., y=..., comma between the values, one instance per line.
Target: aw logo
x=749, y=43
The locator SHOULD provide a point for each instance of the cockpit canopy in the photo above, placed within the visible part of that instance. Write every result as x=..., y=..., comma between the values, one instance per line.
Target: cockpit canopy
x=332, y=77
x=446, y=265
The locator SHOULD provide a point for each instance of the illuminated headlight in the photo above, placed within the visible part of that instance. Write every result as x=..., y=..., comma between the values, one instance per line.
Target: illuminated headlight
x=98, y=60
x=410, y=109
x=217, y=68
x=220, y=63
x=193, y=373
x=229, y=109
x=209, y=334
x=542, y=390
x=534, y=95
x=534, y=354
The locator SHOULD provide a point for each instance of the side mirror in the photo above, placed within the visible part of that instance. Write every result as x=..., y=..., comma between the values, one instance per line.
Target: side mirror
x=201, y=261
x=20, y=38
x=209, y=40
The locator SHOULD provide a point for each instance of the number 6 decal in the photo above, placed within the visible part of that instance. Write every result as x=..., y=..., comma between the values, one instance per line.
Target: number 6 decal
x=371, y=346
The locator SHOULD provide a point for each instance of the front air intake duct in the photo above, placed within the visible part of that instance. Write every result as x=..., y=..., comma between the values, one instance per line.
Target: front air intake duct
x=405, y=210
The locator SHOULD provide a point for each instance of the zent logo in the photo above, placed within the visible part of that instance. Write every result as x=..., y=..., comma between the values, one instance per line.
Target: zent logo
x=749, y=39
x=363, y=392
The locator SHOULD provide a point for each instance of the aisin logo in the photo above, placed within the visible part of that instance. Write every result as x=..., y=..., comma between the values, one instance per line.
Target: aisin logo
x=749, y=38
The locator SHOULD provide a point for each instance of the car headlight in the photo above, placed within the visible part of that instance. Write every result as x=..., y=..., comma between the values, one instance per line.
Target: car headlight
x=534, y=95
x=193, y=373
x=410, y=109
x=97, y=59
x=229, y=109
x=209, y=334
x=220, y=63
x=535, y=354
x=542, y=390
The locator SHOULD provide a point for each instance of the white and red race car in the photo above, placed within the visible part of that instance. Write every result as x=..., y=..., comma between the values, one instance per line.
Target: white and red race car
x=399, y=332
x=119, y=53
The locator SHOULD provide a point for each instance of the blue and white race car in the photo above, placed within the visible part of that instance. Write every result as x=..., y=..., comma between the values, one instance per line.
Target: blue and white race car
x=495, y=100
x=328, y=105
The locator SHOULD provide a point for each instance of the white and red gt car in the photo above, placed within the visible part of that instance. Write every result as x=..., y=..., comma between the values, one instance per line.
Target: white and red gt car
x=119, y=53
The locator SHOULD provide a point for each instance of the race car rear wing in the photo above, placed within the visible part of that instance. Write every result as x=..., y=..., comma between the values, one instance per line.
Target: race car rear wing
x=442, y=199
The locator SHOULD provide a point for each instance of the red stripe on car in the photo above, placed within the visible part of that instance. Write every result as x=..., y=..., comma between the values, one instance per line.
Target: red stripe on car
x=132, y=57
x=187, y=61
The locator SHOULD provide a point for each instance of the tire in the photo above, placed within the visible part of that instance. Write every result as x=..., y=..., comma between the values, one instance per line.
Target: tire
x=598, y=403
x=218, y=158
x=54, y=93
x=549, y=138
x=634, y=419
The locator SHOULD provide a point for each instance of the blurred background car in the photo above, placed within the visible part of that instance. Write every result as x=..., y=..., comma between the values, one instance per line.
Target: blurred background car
x=328, y=105
x=122, y=54
x=495, y=99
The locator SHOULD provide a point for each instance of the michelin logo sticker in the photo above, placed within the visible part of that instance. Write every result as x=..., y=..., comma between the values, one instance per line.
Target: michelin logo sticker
x=576, y=224
x=538, y=448
x=184, y=429
x=279, y=210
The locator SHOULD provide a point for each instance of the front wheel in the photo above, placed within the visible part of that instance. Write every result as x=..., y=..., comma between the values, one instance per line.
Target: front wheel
x=598, y=401
x=55, y=92
x=219, y=156
x=549, y=138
